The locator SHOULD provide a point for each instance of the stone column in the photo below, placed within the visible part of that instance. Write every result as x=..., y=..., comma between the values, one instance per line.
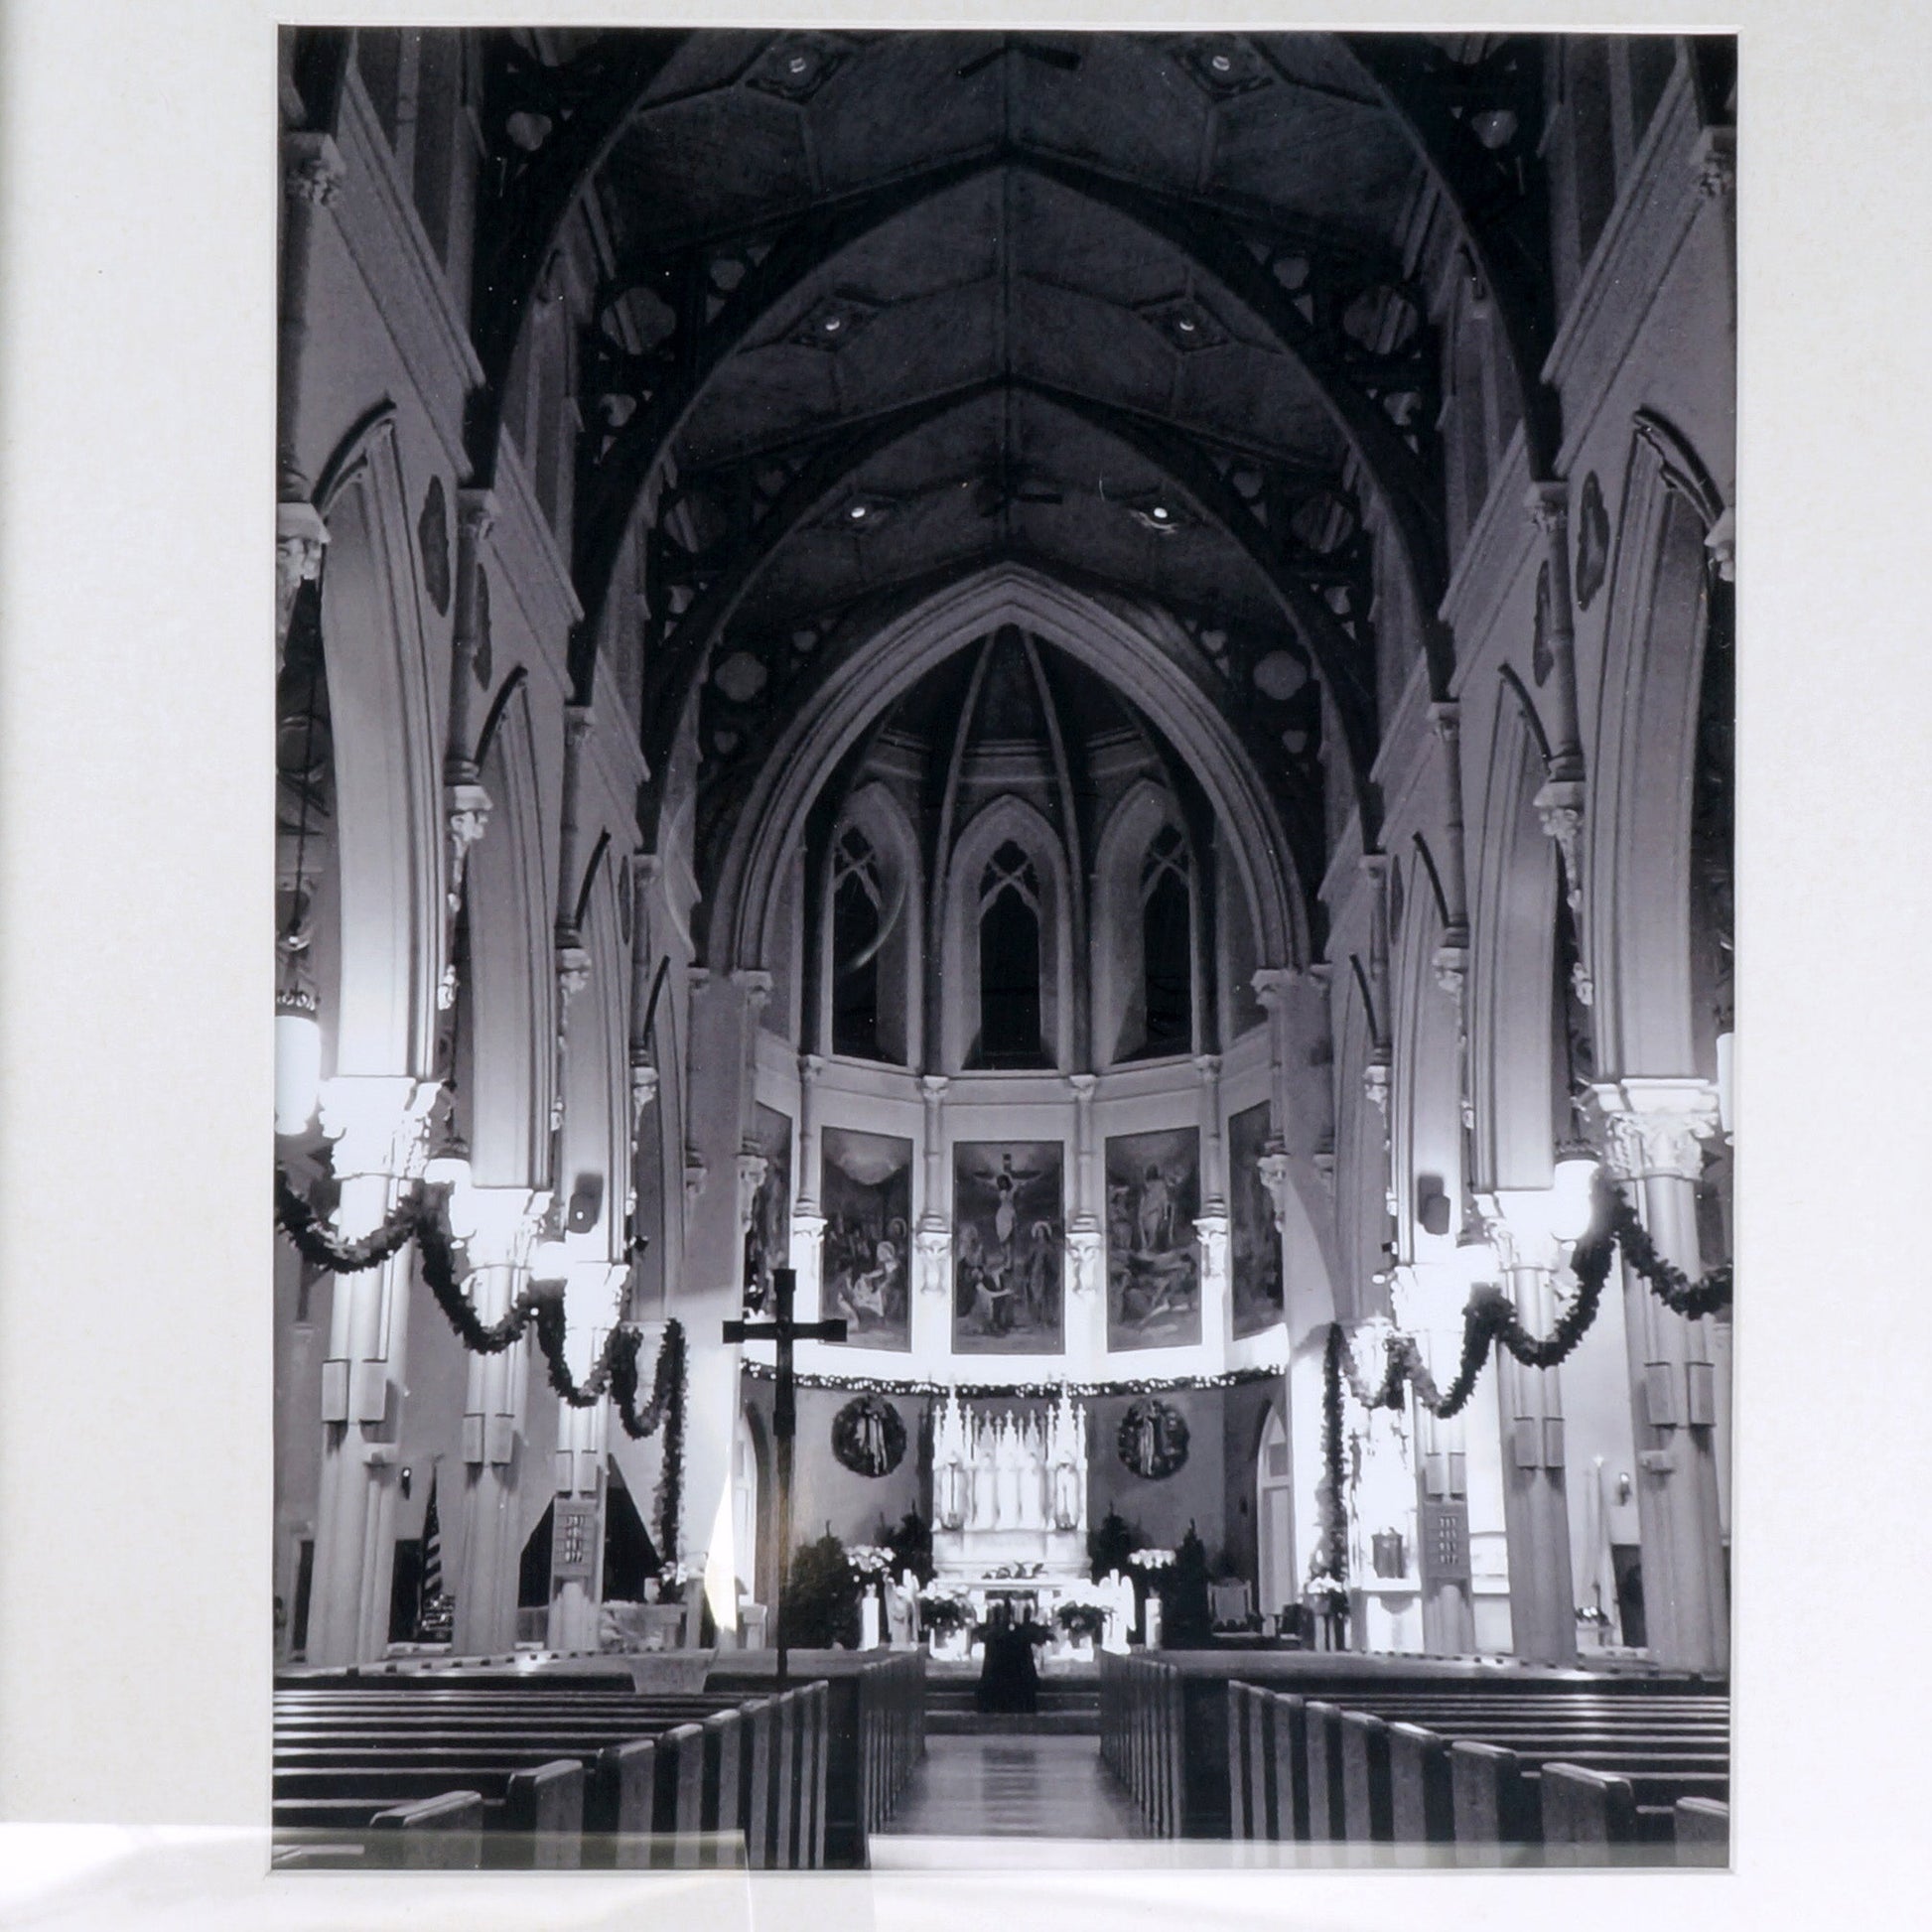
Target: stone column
x=496, y=1226
x=1655, y=1129
x=312, y=179
x=1211, y=1224
x=933, y=1239
x=1536, y=1507
x=1560, y=803
x=378, y=1126
x=807, y=1220
x=593, y=1303
x=465, y=804
x=1453, y=954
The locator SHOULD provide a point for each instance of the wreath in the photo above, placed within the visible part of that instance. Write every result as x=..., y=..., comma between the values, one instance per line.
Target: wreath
x=869, y=1436
x=1152, y=1438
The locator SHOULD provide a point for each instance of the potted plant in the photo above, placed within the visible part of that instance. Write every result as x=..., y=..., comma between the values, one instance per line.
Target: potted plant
x=1082, y=1619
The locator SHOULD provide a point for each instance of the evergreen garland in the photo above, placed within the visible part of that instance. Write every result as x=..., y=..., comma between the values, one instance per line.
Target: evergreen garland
x=614, y=1373
x=1490, y=1320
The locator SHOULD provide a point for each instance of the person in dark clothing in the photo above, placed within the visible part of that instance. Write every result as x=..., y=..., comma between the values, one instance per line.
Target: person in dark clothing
x=1009, y=1681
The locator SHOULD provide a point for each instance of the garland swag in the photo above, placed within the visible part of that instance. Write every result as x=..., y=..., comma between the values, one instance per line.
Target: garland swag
x=614, y=1373
x=1491, y=1319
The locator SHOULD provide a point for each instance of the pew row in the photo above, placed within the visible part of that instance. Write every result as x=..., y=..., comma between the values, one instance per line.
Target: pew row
x=875, y=1734
x=553, y=1777
x=1580, y=1775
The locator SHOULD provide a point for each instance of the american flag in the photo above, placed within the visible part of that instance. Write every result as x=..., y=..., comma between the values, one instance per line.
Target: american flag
x=431, y=1549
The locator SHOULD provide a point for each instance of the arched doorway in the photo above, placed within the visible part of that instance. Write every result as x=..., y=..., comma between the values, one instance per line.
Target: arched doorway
x=1273, y=1517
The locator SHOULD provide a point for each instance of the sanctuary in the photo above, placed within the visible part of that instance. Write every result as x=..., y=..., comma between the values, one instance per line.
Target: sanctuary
x=1004, y=773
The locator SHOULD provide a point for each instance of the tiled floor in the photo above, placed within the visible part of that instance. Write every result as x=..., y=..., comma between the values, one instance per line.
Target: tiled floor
x=1028, y=1786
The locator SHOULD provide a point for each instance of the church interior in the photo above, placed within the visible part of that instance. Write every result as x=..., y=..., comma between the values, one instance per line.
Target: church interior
x=1004, y=943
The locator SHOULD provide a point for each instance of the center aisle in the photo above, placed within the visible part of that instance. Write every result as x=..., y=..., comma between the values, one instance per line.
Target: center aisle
x=1015, y=1785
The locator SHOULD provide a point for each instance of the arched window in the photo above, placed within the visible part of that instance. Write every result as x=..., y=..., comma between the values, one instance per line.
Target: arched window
x=857, y=899
x=1009, y=941
x=1167, y=950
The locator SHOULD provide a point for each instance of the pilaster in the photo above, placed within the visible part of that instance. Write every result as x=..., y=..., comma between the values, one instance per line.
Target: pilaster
x=1536, y=1509
x=379, y=1127
x=1655, y=1130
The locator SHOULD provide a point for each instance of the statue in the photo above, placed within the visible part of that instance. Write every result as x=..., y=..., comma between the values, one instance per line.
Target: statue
x=1067, y=1466
x=951, y=1475
x=985, y=1499
x=1010, y=1460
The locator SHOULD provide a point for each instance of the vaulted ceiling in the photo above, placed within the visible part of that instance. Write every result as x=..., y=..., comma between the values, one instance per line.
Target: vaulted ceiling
x=1135, y=310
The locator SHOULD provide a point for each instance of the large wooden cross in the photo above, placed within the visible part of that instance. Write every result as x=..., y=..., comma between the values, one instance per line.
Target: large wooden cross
x=784, y=1330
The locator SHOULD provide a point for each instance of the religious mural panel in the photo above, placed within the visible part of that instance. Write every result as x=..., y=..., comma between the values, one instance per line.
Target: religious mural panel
x=768, y=1241
x=866, y=1194
x=1008, y=1239
x=1255, y=1248
x=1152, y=1262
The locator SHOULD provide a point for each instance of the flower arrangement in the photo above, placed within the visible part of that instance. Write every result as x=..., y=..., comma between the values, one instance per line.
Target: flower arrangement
x=869, y=1561
x=942, y=1610
x=1081, y=1613
x=674, y=1579
x=1325, y=1591
x=1150, y=1559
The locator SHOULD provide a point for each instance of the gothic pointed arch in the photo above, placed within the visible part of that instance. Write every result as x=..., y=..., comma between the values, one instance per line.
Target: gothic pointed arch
x=388, y=772
x=1665, y=594
x=1117, y=643
x=1007, y=872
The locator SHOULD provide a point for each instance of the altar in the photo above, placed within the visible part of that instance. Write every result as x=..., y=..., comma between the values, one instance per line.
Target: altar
x=1010, y=1503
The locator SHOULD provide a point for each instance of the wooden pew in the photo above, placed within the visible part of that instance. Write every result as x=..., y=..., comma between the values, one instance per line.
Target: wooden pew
x=435, y=1835
x=1309, y=1767
x=646, y=1765
x=1702, y=1827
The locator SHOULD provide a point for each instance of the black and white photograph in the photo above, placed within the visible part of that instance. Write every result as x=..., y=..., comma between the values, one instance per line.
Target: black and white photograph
x=1003, y=817
x=1193, y=567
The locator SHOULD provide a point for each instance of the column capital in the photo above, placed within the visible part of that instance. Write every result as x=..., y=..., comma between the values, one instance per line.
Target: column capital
x=1656, y=1127
x=1084, y=1250
x=810, y=1066
x=1277, y=1172
x=1722, y=542
x=300, y=538
x=379, y=1124
x=476, y=513
x=573, y=970
x=643, y=1090
x=1716, y=160
x=1547, y=504
x=751, y=1170
x=465, y=818
x=1083, y=1086
x=933, y=1086
x=1272, y=984
x=1373, y=865
x=1450, y=962
x=313, y=169
x=497, y=1226
x=933, y=1251
x=1446, y=719
x=1208, y=1067
x=755, y=983
x=1516, y=1220
x=1375, y=1084
x=578, y=720
x=647, y=868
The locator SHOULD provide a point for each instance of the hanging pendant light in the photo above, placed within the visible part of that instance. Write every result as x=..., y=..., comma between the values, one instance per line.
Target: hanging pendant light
x=298, y=1029
x=1573, y=1196
x=298, y=1061
x=1475, y=1254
